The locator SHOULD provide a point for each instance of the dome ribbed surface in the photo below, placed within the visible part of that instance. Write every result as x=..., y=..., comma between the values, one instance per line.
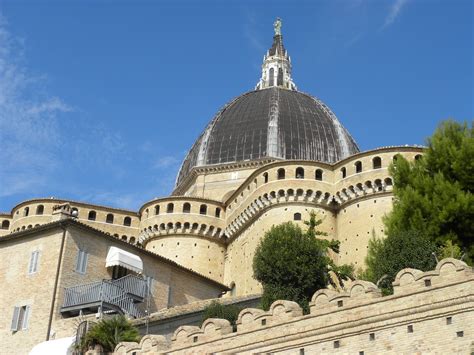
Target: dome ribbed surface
x=271, y=123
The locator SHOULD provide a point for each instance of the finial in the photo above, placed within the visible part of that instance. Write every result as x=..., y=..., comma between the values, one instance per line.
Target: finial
x=277, y=27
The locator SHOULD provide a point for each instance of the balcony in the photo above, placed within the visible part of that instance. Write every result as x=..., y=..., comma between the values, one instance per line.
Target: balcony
x=121, y=296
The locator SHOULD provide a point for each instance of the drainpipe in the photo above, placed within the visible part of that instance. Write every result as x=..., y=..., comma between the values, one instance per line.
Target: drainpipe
x=56, y=281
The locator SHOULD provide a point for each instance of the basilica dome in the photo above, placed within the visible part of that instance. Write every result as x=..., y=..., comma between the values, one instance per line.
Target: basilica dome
x=274, y=121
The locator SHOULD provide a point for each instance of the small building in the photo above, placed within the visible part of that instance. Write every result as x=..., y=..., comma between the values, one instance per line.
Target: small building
x=55, y=275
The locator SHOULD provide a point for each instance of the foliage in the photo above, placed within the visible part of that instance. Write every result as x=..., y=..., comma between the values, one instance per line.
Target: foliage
x=218, y=310
x=386, y=257
x=108, y=332
x=434, y=195
x=292, y=264
x=449, y=250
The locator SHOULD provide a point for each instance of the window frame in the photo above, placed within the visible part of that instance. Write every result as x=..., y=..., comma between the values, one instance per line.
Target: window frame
x=33, y=265
x=20, y=318
x=81, y=262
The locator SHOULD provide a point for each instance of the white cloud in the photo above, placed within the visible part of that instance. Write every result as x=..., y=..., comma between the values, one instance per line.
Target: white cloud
x=166, y=162
x=394, y=12
x=252, y=33
x=29, y=128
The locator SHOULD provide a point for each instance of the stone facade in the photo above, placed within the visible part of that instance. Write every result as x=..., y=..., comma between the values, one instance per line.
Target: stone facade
x=42, y=289
x=429, y=313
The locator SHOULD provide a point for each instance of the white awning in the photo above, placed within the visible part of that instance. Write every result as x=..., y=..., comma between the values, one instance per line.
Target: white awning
x=117, y=256
x=61, y=346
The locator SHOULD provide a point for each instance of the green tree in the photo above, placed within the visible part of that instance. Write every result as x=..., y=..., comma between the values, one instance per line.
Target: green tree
x=219, y=310
x=292, y=264
x=386, y=257
x=108, y=332
x=434, y=195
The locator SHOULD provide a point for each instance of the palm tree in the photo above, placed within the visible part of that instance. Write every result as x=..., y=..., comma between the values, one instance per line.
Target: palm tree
x=108, y=332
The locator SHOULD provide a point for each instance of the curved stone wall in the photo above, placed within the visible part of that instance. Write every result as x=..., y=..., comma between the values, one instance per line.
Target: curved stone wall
x=240, y=252
x=186, y=230
x=122, y=224
x=201, y=254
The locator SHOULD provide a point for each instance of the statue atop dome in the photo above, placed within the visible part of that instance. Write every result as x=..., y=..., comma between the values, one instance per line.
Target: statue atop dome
x=277, y=27
x=276, y=67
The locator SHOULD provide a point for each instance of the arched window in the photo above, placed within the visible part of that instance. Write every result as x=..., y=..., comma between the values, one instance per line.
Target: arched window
x=233, y=289
x=124, y=237
x=157, y=210
x=109, y=218
x=280, y=77
x=127, y=221
x=358, y=166
x=169, y=208
x=343, y=172
x=218, y=212
x=92, y=216
x=395, y=157
x=132, y=240
x=378, y=185
x=265, y=178
x=39, y=209
x=297, y=217
x=377, y=163
x=299, y=173
x=318, y=175
x=74, y=212
x=418, y=157
x=281, y=174
x=26, y=212
x=5, y=224
x=187, y=208
x=203, y=209
x=271, y=77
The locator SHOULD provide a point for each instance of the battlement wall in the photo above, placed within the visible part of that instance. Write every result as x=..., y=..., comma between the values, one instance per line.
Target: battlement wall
x=429, y=312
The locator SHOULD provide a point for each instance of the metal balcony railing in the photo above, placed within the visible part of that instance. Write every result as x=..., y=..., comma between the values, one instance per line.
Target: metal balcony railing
x=133, y=285
x=119, y=295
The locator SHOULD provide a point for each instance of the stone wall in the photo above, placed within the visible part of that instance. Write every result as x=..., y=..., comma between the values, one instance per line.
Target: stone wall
x=21, y=288
x=430, y=312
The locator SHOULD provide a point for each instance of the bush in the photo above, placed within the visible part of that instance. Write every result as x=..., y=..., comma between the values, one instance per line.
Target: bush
x=388, y=256
x=218, y=310
x=293, y=265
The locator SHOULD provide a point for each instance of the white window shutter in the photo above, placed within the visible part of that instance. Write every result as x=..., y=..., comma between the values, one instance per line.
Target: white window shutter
x=79, y=261
x=84, y=262
x=15, y=319
x=33, y=262
x=26, y=317
x=30, y=267
x=149, y=284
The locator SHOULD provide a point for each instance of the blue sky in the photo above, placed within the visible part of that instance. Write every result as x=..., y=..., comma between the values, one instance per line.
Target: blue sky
x=100, y=100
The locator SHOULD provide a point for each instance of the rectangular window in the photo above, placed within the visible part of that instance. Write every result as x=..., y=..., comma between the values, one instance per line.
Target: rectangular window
x=20, y=318
x=33, y=267
x=81, y=262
